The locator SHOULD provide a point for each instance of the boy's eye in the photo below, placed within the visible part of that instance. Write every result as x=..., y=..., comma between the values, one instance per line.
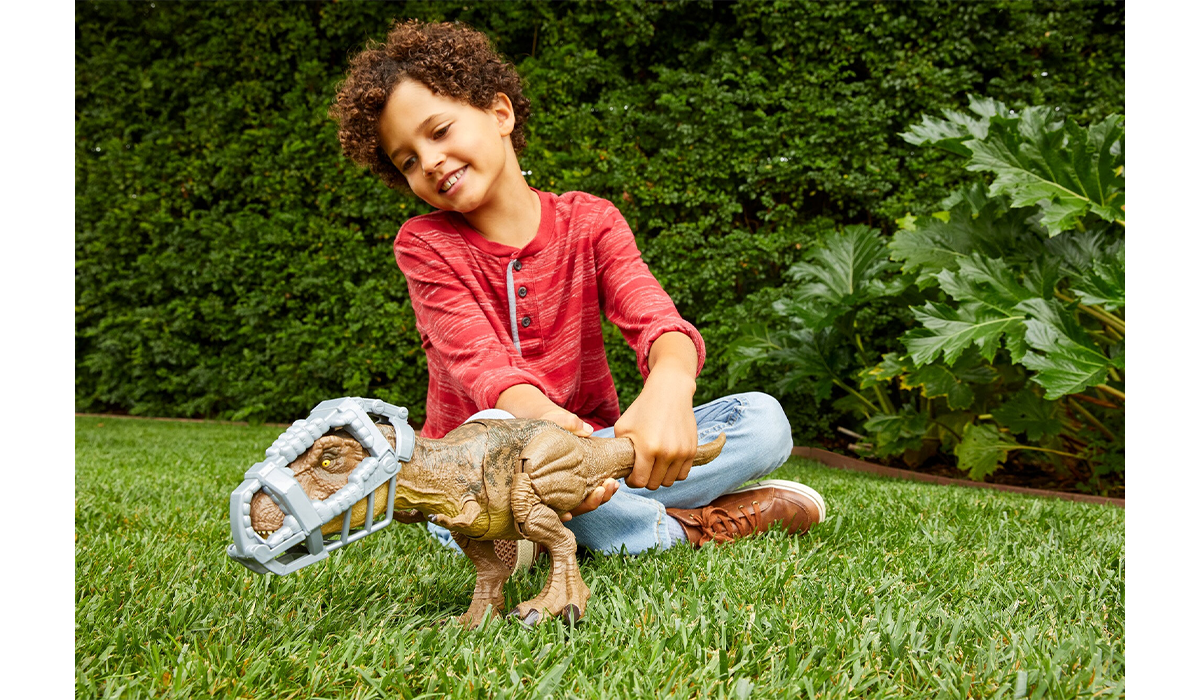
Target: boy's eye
x=407, y=164
x=441, y=132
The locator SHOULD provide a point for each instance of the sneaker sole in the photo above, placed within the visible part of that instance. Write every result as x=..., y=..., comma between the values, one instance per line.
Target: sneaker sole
x=794, y=487
x=525, y=550
x=516, y=554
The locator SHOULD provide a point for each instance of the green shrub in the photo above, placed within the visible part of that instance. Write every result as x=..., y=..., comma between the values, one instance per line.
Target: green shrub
x=230, y=263
x=1017, y=295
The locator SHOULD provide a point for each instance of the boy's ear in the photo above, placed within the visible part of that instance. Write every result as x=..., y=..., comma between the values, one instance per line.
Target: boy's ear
x=503, y=110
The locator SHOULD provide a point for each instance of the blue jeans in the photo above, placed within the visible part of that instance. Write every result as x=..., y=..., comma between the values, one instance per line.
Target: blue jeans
x=758, y=439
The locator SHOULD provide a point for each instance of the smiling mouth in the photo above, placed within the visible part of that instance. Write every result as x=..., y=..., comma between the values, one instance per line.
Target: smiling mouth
x=454, y=177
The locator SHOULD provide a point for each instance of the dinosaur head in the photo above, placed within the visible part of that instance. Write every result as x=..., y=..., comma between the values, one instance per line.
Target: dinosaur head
x=321, y=471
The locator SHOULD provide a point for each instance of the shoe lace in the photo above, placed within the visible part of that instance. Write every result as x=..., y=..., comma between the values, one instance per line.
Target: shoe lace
x=721, y=525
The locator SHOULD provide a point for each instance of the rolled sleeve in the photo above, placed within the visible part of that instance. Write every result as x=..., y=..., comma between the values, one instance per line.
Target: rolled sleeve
x=650, y=334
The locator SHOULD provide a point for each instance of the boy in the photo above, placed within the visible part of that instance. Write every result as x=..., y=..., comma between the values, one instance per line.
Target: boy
x=508, y=284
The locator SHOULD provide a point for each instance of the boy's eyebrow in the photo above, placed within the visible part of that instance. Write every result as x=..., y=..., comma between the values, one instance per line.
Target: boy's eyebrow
x=420, y=128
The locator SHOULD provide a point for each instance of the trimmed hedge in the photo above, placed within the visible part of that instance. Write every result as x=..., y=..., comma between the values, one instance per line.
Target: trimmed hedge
x=230, y=263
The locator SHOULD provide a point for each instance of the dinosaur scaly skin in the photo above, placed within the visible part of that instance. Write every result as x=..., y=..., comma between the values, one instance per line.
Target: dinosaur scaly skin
x=485, y=480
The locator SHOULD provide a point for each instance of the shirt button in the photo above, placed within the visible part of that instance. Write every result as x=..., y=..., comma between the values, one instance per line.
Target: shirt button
x=517, y=265
x=522, y=292
x=526, y=321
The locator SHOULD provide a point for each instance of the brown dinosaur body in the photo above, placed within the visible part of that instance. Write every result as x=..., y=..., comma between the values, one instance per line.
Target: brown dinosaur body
x=486, y=480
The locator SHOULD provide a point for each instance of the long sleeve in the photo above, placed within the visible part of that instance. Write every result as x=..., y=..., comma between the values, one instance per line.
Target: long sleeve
x=631, y=297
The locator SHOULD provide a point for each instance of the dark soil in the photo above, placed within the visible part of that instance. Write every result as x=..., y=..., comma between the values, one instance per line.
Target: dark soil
x=1016, y=473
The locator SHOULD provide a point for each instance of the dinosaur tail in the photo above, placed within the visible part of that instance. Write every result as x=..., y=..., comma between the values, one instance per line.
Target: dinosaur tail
x=623, y=455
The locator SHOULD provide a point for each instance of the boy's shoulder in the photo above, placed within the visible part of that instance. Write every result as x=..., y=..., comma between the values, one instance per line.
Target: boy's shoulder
x=433, y=222
x=585, y=211
x=582, y=200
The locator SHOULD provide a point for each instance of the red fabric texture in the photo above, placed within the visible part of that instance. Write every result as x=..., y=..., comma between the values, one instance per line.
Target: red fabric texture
x=583, y=261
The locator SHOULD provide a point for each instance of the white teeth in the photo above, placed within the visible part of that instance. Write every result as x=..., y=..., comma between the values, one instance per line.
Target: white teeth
x=450, y=183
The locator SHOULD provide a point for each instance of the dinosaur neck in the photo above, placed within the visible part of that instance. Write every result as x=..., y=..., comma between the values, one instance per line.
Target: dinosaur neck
x=423, y=488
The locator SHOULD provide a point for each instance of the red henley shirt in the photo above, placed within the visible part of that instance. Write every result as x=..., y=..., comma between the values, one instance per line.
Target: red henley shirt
x=583, y=260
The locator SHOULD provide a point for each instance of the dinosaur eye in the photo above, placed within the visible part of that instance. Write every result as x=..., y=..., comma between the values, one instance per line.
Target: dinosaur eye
x=325, y=463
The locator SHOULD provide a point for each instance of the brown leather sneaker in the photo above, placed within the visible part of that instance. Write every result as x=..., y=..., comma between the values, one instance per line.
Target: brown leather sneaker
x=518, y=555
x=752, y=510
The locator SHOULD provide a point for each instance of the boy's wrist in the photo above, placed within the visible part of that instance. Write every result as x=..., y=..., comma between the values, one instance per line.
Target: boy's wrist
x=673, y=358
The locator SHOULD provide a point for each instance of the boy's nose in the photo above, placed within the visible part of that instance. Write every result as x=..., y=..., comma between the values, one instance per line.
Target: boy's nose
x=433, y=164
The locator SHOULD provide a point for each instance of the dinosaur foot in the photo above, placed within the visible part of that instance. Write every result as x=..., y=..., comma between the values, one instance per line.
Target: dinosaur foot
x=571, y=614
x=476, y=616
x=569, y=605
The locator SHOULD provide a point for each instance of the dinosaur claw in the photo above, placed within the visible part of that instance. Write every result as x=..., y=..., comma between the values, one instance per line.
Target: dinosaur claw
x=528, y=620
x=572, y=614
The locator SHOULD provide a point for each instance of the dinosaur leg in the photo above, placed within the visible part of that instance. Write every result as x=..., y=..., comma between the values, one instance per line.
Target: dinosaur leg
x=565, y=592
x=490, y=575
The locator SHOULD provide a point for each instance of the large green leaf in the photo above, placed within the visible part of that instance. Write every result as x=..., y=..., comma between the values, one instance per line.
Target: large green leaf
x=936, y=380
x=813, y=356
x=1096, y=264
x=983, y=450
x=1104, y=284
x=949, y=427
x=949, y=331
x=754, y=346
x=894, y=433
x=1028, y=413
x=989, y=229
x=844, y=273
x=815, y=359
x=951, y=133
x=1060, y=167
x=1063, y=169
x=1043, y=276
x=1064, y=358
x=889, y=367
x=990, y=282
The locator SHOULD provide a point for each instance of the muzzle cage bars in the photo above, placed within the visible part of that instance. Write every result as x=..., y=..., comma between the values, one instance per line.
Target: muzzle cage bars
x=299, y=541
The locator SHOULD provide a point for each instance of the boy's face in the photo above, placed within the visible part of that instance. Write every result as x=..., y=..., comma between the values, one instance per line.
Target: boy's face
x=451, y=153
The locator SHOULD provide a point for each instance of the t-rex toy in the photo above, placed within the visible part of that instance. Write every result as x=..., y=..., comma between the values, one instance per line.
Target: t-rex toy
x=486, y=480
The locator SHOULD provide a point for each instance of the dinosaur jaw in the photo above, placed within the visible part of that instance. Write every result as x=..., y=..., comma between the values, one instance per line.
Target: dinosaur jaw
x=266, y=517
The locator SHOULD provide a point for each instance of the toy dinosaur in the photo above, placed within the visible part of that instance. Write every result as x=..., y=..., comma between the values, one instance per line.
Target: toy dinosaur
x=486, y=480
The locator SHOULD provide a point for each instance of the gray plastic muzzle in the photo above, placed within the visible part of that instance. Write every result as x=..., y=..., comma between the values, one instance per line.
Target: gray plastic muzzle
x=299, y=542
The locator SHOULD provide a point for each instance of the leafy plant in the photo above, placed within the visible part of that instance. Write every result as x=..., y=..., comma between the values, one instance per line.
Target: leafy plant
x=231, y=263
x=1016, y=292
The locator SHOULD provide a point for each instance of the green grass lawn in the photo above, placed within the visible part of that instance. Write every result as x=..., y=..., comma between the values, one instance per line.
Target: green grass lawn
x=908, y=590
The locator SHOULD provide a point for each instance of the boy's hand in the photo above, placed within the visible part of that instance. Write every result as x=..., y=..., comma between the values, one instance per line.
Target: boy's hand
x=527, y=401
x=660, y=421
x=595, y=499
x=568, y=421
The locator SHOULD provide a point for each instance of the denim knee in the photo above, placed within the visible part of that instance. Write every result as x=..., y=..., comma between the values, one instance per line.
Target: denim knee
x=770, y=426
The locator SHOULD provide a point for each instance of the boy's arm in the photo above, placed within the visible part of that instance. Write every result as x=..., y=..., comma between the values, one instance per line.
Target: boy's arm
x=670, y=352
x=660, y=421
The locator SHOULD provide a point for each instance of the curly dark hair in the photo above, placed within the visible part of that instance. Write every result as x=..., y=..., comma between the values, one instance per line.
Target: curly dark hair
x=450, y=59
